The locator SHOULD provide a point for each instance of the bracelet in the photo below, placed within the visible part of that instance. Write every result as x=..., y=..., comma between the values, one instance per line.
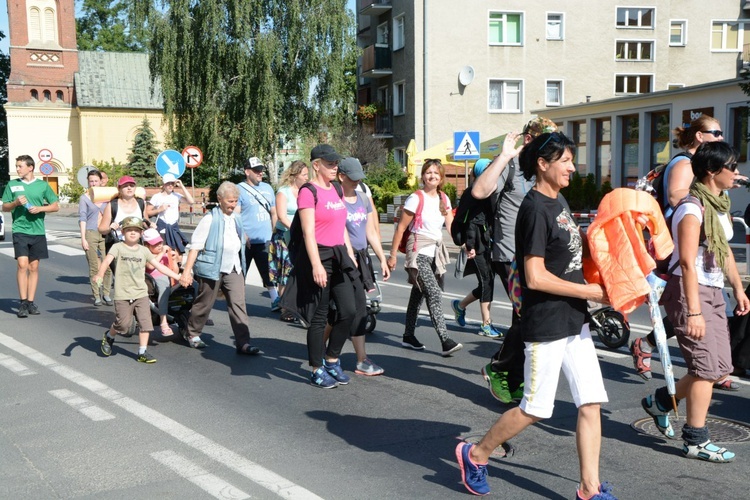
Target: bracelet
x=692, y=315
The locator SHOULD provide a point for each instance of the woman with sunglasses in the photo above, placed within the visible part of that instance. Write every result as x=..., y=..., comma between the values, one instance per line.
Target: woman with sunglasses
x=554, y=321
x=426, y=254
x=693, y=298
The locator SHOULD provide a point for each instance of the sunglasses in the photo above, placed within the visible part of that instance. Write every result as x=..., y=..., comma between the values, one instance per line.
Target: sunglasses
x=715, y=133
x=732, y=167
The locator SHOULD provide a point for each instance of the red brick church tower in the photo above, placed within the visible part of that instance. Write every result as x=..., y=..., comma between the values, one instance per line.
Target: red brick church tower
x=43, y=51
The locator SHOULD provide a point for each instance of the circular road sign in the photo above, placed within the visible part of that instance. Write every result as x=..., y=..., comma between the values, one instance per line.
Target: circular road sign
x=46, y=168
x=45, y=155
x=170, y=162
x=193, y=156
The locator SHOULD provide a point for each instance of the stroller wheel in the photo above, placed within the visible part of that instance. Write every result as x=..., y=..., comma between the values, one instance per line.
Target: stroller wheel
x=370, y=324
x=132, y=329
x=612, y=329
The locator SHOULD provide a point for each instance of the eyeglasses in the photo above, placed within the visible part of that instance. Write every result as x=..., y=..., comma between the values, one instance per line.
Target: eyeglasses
x=732, y=167
x=715, y=133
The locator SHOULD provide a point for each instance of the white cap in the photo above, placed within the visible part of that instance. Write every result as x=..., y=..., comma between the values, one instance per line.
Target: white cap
x=168, y=178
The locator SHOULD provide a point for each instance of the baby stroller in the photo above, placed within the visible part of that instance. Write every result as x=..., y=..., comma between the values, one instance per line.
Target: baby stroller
x=180, y=301
x=374, y=299
x=609, y=325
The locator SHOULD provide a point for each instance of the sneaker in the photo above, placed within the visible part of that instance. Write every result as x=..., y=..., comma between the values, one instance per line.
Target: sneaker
x=474, y=476
x=33, y=309
x=320, y=378
x=605, y=493
x=488, y=331
x=146, y=358
x=368, y=368
x=276, y=304
x=196, y=342
x=659, y=414
x=98, y=302
x=641, y=358
x=107, y=300
x=411, y=342
x=107, y=344
x=517, y=395
x=335, y=371
x=498, y=384
x=23, y=310
x=459, y=314
x=450, y=346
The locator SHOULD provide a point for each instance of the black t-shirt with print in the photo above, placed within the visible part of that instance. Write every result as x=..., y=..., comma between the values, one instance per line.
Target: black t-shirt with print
x=545, y=228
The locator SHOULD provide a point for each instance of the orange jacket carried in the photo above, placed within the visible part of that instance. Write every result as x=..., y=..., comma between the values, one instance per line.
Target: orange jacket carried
x=618, y=249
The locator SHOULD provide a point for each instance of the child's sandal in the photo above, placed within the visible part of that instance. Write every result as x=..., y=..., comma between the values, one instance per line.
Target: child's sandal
x=166, y=331
x=707, y=451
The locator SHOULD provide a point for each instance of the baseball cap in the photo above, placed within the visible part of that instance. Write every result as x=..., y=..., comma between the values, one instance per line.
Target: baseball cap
x=254, y=163
x=538, y=126
x=168, y=178
x=125, y=179
x=131, y=222
x=352, y=168
x=324, y=152
x=480, y=166
x=152, y=236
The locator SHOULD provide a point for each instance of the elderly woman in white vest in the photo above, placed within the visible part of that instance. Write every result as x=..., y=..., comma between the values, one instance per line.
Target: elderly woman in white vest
x=217, y=261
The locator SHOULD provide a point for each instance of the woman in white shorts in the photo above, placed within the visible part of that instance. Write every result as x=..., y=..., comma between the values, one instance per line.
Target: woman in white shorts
x=554, y=320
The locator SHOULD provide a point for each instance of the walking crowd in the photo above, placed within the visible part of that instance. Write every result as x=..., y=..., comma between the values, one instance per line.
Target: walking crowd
x=312, y=241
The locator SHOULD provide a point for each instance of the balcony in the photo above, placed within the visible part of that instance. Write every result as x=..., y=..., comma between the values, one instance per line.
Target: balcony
x=373, y=7
x=384, y=125
x=376, y=62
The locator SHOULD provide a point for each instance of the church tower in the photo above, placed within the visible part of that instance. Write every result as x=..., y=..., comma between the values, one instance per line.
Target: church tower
x=43, y=52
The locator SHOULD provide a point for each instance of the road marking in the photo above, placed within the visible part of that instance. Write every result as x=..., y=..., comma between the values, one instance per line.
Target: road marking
x=251, y=470
x=213, y=485
x=81, y=404
x=15, y=366
x=66, y=250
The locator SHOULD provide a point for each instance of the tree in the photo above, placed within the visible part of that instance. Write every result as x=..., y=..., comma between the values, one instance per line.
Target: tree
x=143, y=155
x=4, y=75
x=236, y=74
x=103, y=25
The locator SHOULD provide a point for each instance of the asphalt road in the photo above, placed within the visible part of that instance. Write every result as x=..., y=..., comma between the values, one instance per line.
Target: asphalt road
x=202, y=424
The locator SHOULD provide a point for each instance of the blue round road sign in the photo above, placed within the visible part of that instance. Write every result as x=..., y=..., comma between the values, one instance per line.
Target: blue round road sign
x=170, y=162
x=46, y=168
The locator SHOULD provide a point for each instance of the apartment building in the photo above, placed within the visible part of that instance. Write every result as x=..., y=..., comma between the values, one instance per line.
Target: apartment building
x=438, y=66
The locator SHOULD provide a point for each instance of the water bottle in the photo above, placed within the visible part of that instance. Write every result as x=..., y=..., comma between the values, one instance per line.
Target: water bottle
x=742, y=182
x=28, y=205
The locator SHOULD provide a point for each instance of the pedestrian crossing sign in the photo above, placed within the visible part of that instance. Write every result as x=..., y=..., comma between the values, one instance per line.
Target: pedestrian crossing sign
x=465, y=145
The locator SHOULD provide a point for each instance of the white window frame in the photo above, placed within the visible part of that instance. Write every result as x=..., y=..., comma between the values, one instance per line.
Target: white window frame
x=399, y=156
x=399, y=91
x=522, y=25
x=399, y=28
x=683, y=24
x=560, y=87
x=562, y=25
x=640, y=15
x=637, y=42
x=382, y=29
x=634, y=75
x=725, y=23
x=505, y=81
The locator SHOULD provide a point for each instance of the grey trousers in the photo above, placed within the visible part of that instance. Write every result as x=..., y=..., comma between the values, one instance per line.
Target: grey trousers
x=233, y=287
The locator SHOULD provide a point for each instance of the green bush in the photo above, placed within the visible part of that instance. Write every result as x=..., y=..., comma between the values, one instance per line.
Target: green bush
x=72, y=190
x=452, y=193
x=583, y=194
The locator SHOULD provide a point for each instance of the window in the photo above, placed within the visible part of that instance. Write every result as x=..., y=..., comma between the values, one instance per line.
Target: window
x=505, y=96
x=35, y=24
x=59, y=95
x=398, y=32
x=738, y=119
x=47, y=95
x=677, y=33
x=555, y=26
x=580, y=130
x=399, y=156
x=382, y=35
x=554, y=93
x=399, y=99
x=34, y=95
x=42, y=25
x=725, y=35
x=49, y=26
x=635, y=17
x=634, y=51
x=659, y=138
x=603, y=150
x=506, y=28
x=630, y=135
x=633, y=84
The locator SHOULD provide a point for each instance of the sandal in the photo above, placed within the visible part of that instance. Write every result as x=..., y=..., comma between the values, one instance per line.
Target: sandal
x=166, y=331
x=707, y=451
x=287, y=317
x=661, y=417
x=248, y=350
x=727, y=385
x=642, y=367
x=194, y=342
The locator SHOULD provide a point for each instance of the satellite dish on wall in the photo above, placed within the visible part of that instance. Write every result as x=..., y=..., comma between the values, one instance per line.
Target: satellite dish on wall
x=466, y=75
x=83, y=175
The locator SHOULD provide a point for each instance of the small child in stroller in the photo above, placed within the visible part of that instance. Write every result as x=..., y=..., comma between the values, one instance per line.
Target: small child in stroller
x=167, y=257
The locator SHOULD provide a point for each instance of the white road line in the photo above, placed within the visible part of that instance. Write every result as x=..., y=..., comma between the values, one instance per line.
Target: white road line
x=213, y=485
x=8, y=251
x=253, y=471
x=83, y=405
x=66, y=250
x=15, y=366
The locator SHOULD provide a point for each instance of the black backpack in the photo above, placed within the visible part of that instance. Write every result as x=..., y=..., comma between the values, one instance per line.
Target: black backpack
x=469, y=211
x=296, y=238
x=657, y=177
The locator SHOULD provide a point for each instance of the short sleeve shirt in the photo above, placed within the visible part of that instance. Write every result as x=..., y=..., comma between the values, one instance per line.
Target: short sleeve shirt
x=256, y=218
x=504, y=235
x=356, y=220
x=545, y=228
x=432, y=219
x=330, y=214
x=291, y=205
x=172, y=214
x=130, y=270
x=38, y=193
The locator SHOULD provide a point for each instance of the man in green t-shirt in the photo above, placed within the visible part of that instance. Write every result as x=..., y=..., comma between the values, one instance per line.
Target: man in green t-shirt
x=29, y=199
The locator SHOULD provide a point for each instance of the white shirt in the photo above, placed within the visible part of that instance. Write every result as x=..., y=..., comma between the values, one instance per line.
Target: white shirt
x=432, y=219
x=230, y=258
x=172, y=214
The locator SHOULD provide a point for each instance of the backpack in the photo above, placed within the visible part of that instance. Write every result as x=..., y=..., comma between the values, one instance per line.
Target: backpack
x=662, y=266
x=469, y=211
x=111, y=237
x=654, y=181
x=416, y=223
x=296, y=237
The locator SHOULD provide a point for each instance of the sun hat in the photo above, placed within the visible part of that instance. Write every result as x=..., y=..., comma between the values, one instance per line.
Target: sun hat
x=152, y=236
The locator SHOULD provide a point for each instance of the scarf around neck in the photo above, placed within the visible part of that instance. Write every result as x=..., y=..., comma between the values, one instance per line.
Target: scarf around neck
x=713, y=205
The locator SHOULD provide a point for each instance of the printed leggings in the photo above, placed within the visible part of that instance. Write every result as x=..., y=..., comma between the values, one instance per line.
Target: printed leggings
x=427, y=287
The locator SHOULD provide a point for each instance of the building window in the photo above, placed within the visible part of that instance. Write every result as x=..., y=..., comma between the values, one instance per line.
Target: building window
x=50, y=26
x=678, y=33
x=47, y=95
x=738, y=118
x=604, y=151
x=382, y=35
x=505, y=96
x=725, y=35
x=630, y=135
x=660, y=132
x=59, y=95
x=555, y=26
x=398, y=32
x=554, y=93
x=633, y=84
x=635, y=17
x=506, y=28
x=384, y=96
x=399, y=99
x=34, y=95
x=580, y=131
x=634, y=51
x=35, y=24
x=399, y=156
